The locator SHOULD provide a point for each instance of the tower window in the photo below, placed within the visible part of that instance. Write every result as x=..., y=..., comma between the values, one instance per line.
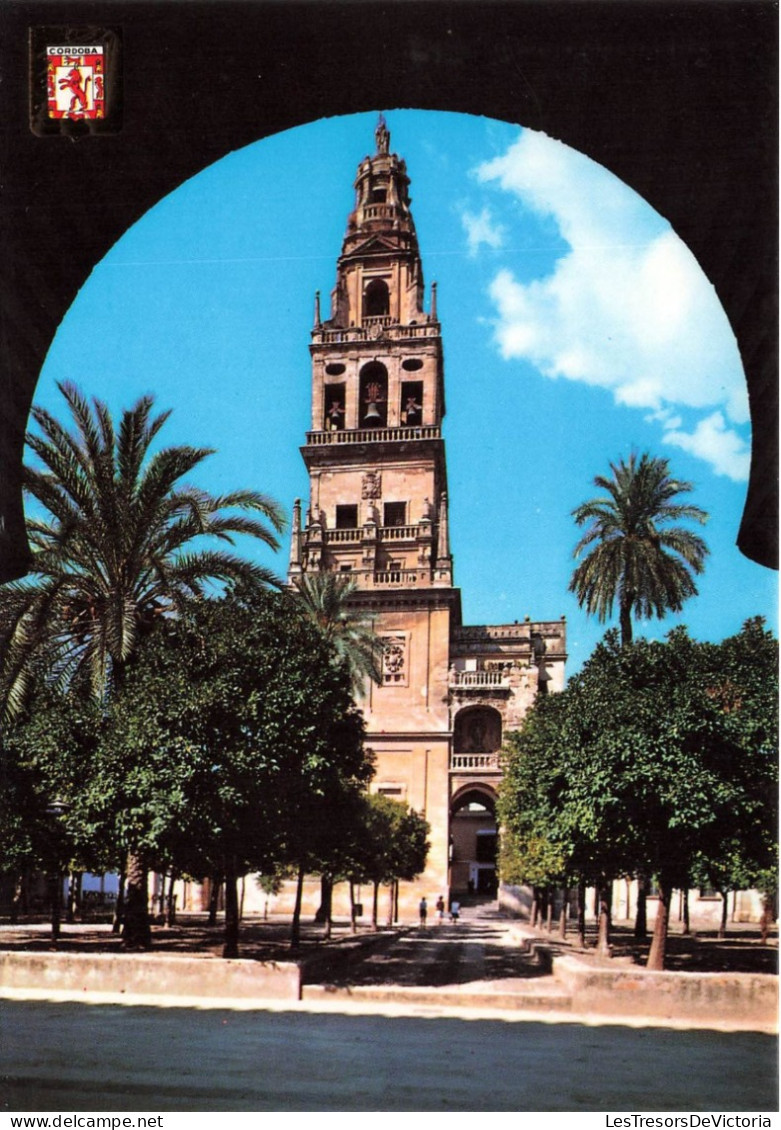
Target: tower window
x=376, y=299
x=347, y=517
x=411, y=409
x=334, y=408
x=394, y=514
x=379, y=195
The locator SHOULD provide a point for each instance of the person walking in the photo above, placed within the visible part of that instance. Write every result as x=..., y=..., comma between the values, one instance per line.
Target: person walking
x=423, y=910
x=440, y=910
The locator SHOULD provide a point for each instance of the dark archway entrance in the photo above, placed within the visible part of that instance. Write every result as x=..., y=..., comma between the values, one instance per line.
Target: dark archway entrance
x=473, y=842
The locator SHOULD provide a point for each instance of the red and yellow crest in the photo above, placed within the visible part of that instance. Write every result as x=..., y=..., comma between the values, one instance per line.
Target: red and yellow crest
x=75, y=81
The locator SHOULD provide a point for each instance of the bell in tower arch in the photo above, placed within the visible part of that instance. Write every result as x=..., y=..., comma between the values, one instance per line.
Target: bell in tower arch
x=374, y=395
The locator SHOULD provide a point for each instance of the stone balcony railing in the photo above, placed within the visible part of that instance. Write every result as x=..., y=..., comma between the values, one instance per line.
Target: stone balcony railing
x=402, y=577
x=373, y=435
x=384, y=534
x=478, y=679
x=396, y=332
x=475, y=763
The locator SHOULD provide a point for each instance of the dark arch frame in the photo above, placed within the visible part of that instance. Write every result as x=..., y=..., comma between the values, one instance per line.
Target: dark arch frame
x=461, y=724
x=473, y=791
x=676, y=97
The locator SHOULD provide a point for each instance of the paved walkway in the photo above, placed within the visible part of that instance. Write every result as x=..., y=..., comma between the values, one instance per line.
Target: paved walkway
x=476, y=962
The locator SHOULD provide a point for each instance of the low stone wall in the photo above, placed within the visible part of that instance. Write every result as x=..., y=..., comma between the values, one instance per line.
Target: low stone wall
x=154, y=975
x=671, y=996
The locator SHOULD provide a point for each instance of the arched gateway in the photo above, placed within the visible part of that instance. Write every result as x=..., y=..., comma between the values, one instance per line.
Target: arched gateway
x=378, y=510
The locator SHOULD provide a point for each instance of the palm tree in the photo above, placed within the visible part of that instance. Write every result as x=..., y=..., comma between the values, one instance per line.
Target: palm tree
x=116, y=544
x=327, y=599
x=637, y=557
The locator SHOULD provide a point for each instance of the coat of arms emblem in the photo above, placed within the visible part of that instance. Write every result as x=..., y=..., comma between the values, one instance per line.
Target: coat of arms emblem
x=75, y=82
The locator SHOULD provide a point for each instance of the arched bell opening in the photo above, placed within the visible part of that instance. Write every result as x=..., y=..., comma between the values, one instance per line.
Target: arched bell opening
x=376, y=299
x=374, y=396
x=473, y=842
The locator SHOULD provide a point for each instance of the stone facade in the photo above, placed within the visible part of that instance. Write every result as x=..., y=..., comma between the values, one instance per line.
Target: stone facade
x=378, y=511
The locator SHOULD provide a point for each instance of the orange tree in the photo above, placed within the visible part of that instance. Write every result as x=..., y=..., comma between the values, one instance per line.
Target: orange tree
x=232, y=742
x=655, y=757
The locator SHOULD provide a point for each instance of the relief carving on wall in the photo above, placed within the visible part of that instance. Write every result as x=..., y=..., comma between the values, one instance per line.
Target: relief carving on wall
x=371, y=485
x=394, y=659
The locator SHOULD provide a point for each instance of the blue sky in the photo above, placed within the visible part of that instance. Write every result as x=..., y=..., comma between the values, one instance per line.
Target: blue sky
x=577, y=328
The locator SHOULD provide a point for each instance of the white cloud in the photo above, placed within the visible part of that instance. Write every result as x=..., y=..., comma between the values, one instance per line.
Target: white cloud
x=717, y=444
x=481, y=229
x=626, y=308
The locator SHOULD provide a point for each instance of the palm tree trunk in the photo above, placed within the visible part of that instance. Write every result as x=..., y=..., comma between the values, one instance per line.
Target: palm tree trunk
x=625, y=621
x=136, y=932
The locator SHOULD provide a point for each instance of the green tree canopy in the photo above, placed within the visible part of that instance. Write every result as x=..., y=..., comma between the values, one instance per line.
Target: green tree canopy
x=232, y=740
x=656, y=756
x=118, y=541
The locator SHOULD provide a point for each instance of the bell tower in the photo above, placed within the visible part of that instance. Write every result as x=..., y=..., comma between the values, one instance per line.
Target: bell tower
x=377, y=507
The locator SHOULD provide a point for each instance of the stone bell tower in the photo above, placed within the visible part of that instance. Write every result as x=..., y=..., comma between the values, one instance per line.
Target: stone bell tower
x=378, y=486
x=378, y=513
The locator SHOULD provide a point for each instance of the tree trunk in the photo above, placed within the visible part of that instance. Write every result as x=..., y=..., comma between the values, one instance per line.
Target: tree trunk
x=724, y=913
x=214, y=899
x=767, y=917
x=74, y=895
x=656, y=954
x=231, y=944
x=119, y=908
x=375, y=897
x=549, y=899
x=641, y=915
x=391, y=902
x=328, y=925
x=136, y=931
x=161, y=895
x=686, y=929
x=603, y=930
x=582, y=913
x=170, y=904
x=295, y=929
x=353, y=924
x=535, y=908
x=625, y=620
x=324, y=910
x=563, y=914
x=16, y=900
x=55, y=894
